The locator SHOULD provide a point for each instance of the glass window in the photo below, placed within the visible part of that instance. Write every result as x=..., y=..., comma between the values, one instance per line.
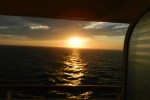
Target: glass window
x=58, y=52
x=139, y=57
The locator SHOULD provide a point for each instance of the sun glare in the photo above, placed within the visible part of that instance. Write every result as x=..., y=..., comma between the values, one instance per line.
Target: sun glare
x=75, y=42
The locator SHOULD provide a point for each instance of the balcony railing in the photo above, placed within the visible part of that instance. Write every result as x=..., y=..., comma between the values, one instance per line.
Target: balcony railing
x=9, y=89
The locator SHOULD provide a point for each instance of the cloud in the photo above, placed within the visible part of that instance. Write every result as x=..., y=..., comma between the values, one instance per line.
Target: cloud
x=51, y=29
x=120, y=26
x=3, y=27
x=23, y=22
x=13, y=37
x=100, y=37
x=33, y=27
x=98, y=25
x=105, y=29
x=93, y=25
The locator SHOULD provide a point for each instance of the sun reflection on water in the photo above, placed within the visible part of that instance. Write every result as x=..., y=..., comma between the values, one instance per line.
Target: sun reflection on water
x=74, y=69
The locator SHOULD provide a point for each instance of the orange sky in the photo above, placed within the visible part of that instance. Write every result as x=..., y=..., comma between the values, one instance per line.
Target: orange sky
x=61, y=33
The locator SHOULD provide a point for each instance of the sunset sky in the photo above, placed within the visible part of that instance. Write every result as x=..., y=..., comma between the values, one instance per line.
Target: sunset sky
x=31, y=31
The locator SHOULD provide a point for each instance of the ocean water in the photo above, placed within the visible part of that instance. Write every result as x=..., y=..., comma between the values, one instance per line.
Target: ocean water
x=60, y=66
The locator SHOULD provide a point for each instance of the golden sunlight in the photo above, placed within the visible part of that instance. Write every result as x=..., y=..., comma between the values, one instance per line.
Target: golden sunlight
x=75, y=42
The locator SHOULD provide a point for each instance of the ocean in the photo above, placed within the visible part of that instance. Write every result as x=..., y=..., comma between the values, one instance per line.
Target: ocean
x=60, y=66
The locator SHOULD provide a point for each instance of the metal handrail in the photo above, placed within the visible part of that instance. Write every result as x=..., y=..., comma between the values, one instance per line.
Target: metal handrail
x=9, y=88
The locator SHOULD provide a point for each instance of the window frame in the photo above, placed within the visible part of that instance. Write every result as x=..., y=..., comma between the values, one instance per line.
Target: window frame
x=129, y=32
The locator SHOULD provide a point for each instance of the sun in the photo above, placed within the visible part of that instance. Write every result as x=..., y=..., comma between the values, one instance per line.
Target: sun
x=75, y=42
